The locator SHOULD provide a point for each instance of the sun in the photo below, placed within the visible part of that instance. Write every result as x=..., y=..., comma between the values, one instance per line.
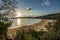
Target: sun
x=18, y=14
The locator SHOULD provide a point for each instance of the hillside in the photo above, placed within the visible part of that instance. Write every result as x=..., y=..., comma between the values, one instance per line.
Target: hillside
x=50, y=16
x=36, y=26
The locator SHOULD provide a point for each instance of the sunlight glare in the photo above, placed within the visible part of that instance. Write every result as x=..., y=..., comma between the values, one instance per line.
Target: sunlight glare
x=18, y=14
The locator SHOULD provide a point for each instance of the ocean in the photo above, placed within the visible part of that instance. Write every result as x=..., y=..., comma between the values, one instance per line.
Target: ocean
x=23, y=22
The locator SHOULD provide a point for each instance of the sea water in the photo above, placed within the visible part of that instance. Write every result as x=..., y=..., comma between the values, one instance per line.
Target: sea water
x=24, y=22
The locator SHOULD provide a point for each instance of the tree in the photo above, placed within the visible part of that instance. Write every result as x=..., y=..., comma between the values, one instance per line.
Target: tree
x=7, y=7
x=3, y=29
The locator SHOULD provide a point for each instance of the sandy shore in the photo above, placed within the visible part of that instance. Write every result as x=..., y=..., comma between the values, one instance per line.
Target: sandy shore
x=36, y=26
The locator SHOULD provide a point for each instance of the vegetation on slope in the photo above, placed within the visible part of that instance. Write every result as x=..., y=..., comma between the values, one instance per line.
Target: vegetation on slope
x=52, y=34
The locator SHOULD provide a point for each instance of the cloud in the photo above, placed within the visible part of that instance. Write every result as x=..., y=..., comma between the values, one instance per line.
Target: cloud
x=45, y=3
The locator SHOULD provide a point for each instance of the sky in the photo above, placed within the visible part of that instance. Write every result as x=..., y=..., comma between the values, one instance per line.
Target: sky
x=39, y=7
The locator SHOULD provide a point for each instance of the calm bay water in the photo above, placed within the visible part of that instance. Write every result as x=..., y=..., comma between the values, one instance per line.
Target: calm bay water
x=24, y=22
x=29, y=21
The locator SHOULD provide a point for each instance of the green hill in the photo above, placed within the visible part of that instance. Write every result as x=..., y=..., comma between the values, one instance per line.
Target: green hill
x=50, y=16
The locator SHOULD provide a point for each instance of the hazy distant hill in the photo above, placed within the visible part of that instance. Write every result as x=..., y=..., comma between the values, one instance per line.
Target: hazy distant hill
x=51, y=16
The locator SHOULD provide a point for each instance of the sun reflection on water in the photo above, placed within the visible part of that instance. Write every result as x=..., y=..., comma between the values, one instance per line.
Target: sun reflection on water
x=16, y=22
x=18, y=14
